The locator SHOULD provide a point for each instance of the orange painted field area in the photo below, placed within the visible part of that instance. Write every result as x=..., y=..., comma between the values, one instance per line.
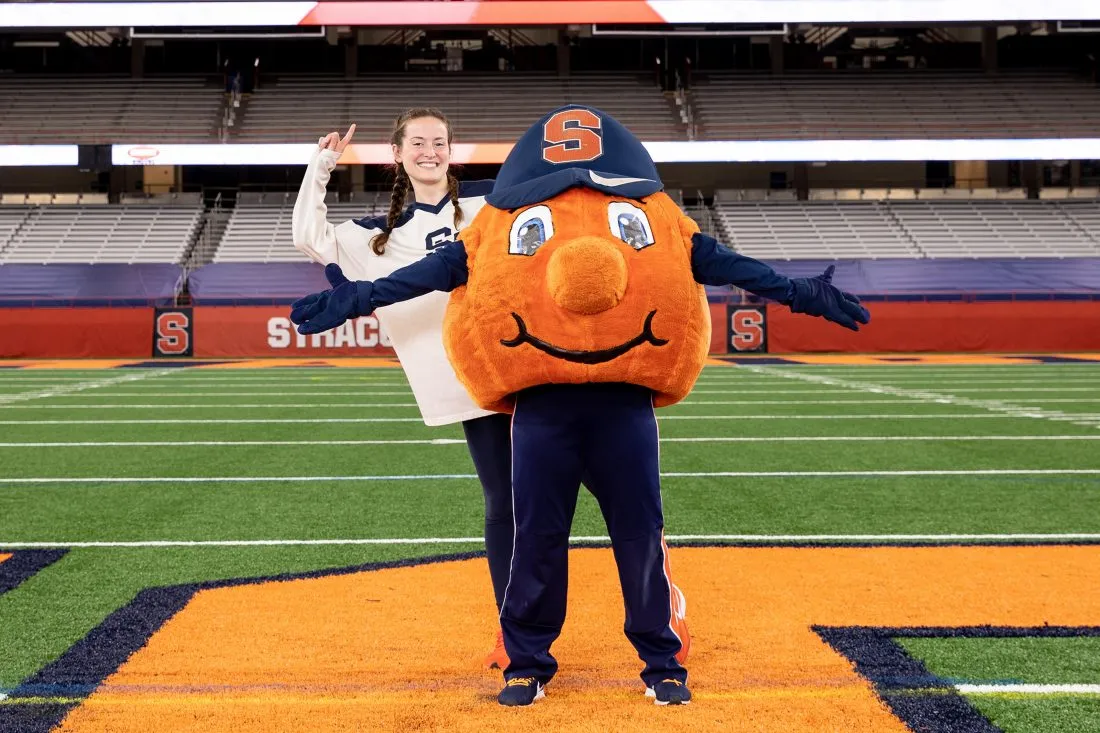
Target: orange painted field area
x=398, y=649
x=4, y=557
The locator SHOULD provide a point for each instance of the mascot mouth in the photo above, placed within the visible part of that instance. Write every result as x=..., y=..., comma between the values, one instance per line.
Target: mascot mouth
x=585, y=357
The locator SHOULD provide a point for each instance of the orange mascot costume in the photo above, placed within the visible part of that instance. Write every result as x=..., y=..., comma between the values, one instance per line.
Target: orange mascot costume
x=576, y=305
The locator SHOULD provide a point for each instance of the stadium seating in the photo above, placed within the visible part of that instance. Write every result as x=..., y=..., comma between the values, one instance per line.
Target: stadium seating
x=888, y=104
x=892, y=228
x=995, y=229
x=298, y=108
x=126, y=233
x=259, y=229
x=104, y=109
x=813, y=229
x=11, y=219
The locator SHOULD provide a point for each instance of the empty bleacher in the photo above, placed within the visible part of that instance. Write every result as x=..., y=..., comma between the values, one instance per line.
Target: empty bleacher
x=259, y=230
x=771, y=226
x=302, y=108
x=994, y=229
x=892, y=225
x=889, y=104
x=812, y=229
x=105, y=109
x=93, y=234
x=11, y=219
x=898, y=228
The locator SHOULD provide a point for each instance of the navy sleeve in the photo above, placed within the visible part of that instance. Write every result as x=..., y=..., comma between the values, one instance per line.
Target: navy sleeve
x=712, y=263
x=444, y=269
x=470, y=189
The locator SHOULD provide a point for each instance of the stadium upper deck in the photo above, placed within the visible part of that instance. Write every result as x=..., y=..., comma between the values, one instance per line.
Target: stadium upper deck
x=728, y=106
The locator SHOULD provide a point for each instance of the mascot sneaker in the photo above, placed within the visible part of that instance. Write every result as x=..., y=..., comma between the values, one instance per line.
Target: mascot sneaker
x=521, y=691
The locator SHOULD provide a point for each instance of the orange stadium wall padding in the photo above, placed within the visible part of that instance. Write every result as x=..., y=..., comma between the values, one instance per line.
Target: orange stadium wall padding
x=718, y=328
x=74, y=333
x=253, y=331
x=948, y=327
x=258, y=331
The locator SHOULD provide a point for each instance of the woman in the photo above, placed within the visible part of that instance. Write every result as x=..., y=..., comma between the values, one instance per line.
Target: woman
x=428, y=205
x=369, y=249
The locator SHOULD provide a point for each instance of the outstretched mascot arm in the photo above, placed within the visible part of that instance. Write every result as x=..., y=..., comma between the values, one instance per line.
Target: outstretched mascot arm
x=712, y=263
x=715, y=264
x=444, y=269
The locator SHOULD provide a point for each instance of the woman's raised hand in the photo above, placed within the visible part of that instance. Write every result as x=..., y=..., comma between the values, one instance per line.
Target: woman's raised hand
x=333, y=141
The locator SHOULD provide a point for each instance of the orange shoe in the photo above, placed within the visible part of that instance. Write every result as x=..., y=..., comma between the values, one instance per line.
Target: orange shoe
x=679, y=623
x=498, y=658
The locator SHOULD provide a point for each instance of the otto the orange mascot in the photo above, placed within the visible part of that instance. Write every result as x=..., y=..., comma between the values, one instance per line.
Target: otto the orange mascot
x=576, y=305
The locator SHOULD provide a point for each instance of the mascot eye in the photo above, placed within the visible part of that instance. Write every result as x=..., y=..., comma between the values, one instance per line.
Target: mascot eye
x=530, y=231
x=630, y=224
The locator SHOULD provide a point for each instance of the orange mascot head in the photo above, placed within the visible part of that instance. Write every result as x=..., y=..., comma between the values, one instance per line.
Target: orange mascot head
x=579, y=270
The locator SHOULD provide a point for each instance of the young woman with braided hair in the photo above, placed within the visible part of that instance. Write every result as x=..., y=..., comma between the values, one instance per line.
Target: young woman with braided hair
x=427, y=207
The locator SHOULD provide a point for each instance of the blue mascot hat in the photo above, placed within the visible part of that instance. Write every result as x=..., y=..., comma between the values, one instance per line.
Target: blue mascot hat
x=574, y=145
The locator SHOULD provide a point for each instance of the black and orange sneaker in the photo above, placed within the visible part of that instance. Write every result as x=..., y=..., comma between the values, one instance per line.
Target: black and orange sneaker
x=520, y=691
x=669, y=692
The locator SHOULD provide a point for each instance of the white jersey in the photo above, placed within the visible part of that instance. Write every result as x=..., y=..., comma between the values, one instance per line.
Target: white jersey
x=415, y=327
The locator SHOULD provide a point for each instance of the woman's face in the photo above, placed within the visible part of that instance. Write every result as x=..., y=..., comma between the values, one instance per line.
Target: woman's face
x=424, y=152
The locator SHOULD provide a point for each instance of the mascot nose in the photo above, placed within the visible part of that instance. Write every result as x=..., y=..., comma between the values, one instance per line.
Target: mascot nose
x=587, y=275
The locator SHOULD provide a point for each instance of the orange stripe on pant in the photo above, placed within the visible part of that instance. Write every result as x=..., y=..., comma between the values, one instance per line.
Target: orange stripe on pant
x=677, y=609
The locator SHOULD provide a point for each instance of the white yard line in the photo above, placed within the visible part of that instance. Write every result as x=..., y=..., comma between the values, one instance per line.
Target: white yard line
x=325, y=420
x=62, y=390
x=328, y=405
x=465, y=476
x=251, y=443
x=930, y=380
x=296, y=392
x=281, y=393
x=829, y=381
x=218, y=406
x=165, y=382
x=460, y=441
x=217, y=421
x=938, y=397
x=754, y=538
x=1028, y=689
x=905, y=401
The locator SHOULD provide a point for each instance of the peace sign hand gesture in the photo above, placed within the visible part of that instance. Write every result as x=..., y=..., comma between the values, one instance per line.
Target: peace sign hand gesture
x=334, y=142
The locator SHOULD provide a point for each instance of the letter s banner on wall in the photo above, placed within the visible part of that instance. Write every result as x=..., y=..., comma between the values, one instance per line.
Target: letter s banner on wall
x=251, y=331
x=747, y=328
x=172, y=332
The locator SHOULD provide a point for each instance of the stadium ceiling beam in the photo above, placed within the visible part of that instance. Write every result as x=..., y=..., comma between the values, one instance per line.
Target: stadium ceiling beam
x=420, y=13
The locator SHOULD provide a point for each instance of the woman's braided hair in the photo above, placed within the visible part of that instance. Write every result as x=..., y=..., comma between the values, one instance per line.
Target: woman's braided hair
x=402, y=185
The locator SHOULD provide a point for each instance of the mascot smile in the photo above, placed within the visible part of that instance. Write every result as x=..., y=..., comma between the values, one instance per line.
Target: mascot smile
x=585, y=357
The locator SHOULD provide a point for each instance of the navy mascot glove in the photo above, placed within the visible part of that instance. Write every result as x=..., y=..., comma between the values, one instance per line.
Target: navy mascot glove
x=817, y=296
x=328, y=309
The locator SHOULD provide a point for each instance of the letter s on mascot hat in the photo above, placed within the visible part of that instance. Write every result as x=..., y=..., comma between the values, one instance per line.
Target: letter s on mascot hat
x=579, y=270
